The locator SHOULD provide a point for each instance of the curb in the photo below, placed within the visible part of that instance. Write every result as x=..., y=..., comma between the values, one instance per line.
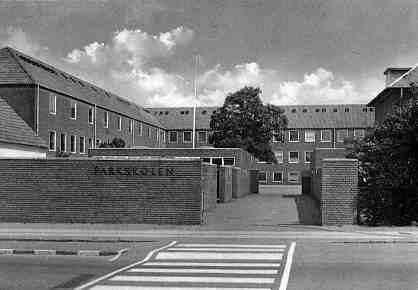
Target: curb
x=40, y=252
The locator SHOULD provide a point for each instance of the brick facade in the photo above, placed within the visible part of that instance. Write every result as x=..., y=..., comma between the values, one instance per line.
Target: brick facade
x=225, y=183
x=105, y=191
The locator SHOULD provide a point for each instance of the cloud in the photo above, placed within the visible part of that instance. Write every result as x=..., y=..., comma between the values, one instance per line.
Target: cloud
x=318, y=87
x=17, y=38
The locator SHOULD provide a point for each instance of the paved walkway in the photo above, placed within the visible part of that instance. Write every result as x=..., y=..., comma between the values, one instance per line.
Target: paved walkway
x=265, y=210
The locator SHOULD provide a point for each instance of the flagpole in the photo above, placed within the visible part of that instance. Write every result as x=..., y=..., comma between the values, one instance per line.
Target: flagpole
x=195, y=100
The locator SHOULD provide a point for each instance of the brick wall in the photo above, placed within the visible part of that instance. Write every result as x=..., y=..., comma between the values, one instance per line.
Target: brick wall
x=102, y=191
x=339, y=189
x=209, y=186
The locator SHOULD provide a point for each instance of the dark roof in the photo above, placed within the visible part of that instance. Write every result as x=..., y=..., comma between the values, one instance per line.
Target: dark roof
x=404, y=81
x=310, y=116
x=19, y=68
x=14, y=130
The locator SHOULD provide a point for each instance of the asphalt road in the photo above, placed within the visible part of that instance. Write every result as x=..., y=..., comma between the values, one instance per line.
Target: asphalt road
x=317, y=264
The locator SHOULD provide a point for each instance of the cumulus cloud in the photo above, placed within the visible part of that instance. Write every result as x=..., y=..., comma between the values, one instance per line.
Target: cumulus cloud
x=17, y=38
x=318, y=87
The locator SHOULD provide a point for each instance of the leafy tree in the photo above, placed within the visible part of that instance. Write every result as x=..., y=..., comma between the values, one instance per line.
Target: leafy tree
x=116, y=143
x=245, y=122
x=389, y=170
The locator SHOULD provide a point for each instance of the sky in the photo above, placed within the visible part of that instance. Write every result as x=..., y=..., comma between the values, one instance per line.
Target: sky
x=296, y=51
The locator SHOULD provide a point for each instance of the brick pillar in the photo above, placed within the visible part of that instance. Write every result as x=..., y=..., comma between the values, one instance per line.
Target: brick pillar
x=339, y=188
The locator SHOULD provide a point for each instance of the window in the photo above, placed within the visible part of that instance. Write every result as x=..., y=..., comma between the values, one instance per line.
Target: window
x=73, y=110
x=91, y=115
x=140, y=129
x=262, y=176
x=106, y=119
x=293, y=136
x=172, y=137
x=149, y=132
x=82, y=144
x=187, y=137
x=325, y=135
x=324, y=110
x=131, y=124
x=217, y=160
x=308, y=156
x=52, y=104
x=278, y=137
x=347, y=110
x=201, y=137
x=52, y=141
x=146, y=131
x=279, y=156
x=310, y=136
x=206, y=159
x=341, y=135
x=293, y=156
x=162, y=136
x=63, y=142
x=278, y=176
x=335, y=110
x=97, y=143
x=229, y=161
x=293, y=110
x=73, y=146
x=90, y=143
x=359, y=133
x=119, y=123
x=293, y=177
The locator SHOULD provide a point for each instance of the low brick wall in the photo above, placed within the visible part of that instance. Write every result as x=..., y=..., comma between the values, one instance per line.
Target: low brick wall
x=225, y=183
x=105, y=191
x=339, y=189
x=209, y=184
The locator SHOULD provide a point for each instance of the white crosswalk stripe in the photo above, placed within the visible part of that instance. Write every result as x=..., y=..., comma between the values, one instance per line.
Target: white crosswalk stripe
x=191, y=266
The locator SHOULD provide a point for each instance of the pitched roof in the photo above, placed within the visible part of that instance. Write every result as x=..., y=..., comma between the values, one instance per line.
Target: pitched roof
x=310, y=116
x=15, y=130
x=19, y=68
x=404, y=81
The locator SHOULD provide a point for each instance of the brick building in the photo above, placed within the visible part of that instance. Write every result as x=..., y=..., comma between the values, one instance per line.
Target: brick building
x=17, y=139
x=397, y=91
x=309, y=127
x=69, y=114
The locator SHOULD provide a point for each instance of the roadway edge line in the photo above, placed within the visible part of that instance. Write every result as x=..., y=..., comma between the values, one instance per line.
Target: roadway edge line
x=286, y=273
x=150, y=254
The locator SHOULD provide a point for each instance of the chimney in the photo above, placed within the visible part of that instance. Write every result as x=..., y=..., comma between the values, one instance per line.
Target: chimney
x=394, y=73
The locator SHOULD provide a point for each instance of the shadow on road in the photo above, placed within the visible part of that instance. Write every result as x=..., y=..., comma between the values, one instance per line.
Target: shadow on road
x=307, y=208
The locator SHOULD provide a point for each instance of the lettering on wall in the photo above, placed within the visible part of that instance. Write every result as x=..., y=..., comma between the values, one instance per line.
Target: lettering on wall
x=133, y=171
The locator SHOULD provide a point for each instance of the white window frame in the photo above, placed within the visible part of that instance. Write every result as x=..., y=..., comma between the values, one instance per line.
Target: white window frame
x=275, y=181
x=205, y=139
x=282, y=158
x=308, y=162
x=162, y=132
x=55, y=141
x=90, y=117
x=294, y=162
x=262, y=180
x=345, y=136
x=191, y=136
x=359, y=130
x=119, y=118
x=169, y=137
x=65, y=142
x=54, y=104
x=306, y=137
x=298, y=140
x=223, y=161
x=140, y=128
x=75, y=143
x=322, y=135
x=82, y=138
x=130, y=126
x=288, y=176
x=75, y=110
x=106, y=119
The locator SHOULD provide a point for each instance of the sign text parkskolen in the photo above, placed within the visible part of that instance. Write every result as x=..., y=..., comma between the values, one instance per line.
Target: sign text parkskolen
x=133, y=171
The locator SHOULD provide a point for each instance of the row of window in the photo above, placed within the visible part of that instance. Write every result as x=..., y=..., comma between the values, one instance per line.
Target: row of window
x=75, y=144
x=106, y=118
x=335, y=110
x=277, y=176
x=173, y=136
x=310, y=136
x=293, y=156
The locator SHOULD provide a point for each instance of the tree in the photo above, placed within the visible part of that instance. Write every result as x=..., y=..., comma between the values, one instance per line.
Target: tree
x=389, y=169
x=116, y=143
x=245, y=122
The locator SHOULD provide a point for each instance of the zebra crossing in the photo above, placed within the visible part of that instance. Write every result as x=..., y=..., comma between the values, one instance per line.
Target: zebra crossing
x=204, y=266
